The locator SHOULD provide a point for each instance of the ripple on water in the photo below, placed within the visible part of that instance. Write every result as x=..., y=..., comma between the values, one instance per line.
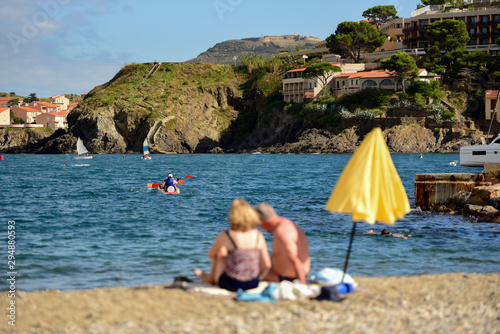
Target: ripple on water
x=93, y=224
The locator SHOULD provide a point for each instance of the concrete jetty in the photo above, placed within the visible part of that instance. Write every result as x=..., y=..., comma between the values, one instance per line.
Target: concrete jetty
x=437, y=189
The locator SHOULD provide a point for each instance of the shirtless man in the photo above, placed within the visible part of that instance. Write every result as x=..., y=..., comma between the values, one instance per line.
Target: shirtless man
x=290, y=251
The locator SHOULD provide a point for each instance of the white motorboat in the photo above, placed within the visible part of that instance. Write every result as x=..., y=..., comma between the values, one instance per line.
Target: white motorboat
x=477, y=155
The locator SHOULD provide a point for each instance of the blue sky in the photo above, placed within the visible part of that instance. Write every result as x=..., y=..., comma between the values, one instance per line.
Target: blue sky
x=51, y=47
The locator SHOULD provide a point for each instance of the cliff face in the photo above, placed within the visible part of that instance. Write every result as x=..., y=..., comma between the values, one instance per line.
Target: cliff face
x=285, y=133
x=16, y=140
x=180, y=108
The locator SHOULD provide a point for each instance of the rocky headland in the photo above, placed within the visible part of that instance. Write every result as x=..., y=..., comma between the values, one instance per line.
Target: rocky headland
x=209, y=108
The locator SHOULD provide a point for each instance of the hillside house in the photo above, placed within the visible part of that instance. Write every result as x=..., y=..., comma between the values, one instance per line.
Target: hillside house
x=4, y=101
x=44, y=106
x=490, y=102
x=354, y=82
x=27, y=114
x=61, y=101
x=4, y=116
x=296, y=88
x=53, y=119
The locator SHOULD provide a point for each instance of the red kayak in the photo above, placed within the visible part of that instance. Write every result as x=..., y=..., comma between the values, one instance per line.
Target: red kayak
x=178, y=191
x=156, y=185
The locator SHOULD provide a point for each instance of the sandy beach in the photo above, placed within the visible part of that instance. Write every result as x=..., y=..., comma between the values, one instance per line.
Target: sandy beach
x=444, y=303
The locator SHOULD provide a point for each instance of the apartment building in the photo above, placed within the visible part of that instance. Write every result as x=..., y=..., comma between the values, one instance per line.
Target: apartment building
x=481, y=19
x=27, y=114
x=53, y=119
x=61, y=100
x=44, y=106
x=394, y=32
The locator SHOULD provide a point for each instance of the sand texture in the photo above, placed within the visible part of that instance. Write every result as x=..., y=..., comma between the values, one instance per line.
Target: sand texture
x=444, y=303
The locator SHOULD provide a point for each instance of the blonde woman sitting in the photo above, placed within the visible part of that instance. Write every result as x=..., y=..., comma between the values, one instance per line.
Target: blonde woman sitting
x=240, y=258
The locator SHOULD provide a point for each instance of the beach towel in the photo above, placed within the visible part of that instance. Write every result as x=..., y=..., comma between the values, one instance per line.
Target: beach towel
x=287, y=290
x=267, y=295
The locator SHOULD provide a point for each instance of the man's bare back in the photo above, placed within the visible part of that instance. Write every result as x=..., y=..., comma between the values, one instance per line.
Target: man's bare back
x=290, y=254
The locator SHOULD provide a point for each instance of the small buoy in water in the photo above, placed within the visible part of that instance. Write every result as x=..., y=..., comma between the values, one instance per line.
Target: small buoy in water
x=1, y=157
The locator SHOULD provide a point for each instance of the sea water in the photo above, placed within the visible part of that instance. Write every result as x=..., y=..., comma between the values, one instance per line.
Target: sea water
x=82, y=224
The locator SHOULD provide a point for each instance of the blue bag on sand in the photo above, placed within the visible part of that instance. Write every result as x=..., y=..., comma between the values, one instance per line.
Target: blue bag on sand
x=265, y=296
x=344, y=288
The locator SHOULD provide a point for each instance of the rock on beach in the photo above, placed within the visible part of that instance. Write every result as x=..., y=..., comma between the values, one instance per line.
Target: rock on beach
x=438, y=303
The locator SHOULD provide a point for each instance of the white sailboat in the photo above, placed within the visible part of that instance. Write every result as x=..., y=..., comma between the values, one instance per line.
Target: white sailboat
x=83, y=153
x=145, y=150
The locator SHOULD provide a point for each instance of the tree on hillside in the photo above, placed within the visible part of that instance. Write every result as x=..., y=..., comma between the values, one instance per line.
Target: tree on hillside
x=448, y=3
x=403, y=65
x=447, y=40
x=31, y=98
x=447, y=35
x=350, y=38
x=324, y=71
x=434, y=2
x=380, y=14
x=476, y=61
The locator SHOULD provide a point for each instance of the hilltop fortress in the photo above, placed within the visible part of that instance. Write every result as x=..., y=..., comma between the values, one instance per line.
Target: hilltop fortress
x=231, y=51
x=283, y=39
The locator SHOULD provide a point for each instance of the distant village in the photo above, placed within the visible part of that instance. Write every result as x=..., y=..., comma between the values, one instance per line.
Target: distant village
x=16, y=113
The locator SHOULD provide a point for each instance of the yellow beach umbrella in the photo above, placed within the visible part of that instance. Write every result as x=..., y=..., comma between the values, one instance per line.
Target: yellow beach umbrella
x=369, y=187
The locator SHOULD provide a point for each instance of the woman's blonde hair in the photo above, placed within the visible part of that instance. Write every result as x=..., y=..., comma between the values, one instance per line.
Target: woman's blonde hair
x=242, y=217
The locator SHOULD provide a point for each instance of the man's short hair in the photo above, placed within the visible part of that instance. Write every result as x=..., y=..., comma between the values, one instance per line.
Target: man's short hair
x=385, y=231
x=265, y=211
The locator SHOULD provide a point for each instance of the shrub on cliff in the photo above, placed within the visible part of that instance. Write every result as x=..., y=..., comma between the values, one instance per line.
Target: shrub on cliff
x=368, y=98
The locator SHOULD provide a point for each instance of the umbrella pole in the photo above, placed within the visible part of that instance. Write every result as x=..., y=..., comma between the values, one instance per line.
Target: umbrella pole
x=349, y=251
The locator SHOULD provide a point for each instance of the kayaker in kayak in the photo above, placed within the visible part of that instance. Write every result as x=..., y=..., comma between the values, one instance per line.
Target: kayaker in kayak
x=169, y=184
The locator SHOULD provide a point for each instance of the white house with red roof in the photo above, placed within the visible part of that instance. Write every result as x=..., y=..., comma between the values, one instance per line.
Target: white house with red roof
x=382, y=79
x=296, y=88
x=4, y=116
x=61, y=101
x=53, y=119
